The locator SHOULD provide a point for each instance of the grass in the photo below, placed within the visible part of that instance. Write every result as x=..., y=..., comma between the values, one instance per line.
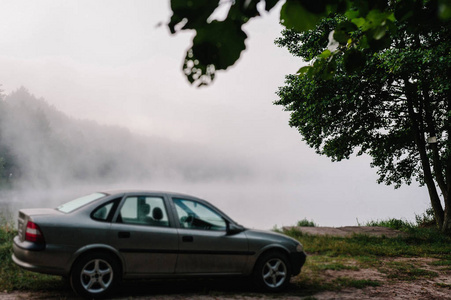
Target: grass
x=14, y=278
x=418, y=242
x=443, y=285
x=392, y=223
x=355, y=283
x=406, y=271
x=392, y=258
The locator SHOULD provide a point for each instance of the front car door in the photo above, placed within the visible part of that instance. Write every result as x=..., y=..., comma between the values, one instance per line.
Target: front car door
x=204, y=246
x=143, y=234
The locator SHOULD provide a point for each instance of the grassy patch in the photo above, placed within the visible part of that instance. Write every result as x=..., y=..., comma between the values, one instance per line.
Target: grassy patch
x=406, y=271
x=14, y=278
x=443, y=285
x=360, y=252
x=418, y=242
x=345, y=282
x=323, y=263
x=445, y=263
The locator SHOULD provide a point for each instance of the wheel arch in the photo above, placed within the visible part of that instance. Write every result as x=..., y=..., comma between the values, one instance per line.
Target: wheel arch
x=100, y=248
x=271, y=277
x=270, y=248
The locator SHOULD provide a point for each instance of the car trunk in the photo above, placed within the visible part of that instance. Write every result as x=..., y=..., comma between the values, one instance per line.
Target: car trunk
x=26, y=215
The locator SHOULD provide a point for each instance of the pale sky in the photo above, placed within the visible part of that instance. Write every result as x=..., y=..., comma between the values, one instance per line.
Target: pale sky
x=108, y=61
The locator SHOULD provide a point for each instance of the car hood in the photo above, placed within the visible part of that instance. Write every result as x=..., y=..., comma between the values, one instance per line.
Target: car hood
x=269, y=235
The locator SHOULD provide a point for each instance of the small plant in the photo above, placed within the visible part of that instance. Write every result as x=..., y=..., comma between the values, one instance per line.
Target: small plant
x=306, y=223
x=391, y=223
x=427, y=219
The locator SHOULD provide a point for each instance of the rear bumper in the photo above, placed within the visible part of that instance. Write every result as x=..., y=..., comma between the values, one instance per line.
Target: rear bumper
x=37, y=258
x=297, y=261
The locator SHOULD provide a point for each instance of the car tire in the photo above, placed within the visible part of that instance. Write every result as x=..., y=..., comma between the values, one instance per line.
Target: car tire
x=95, y=275
x=272, y=271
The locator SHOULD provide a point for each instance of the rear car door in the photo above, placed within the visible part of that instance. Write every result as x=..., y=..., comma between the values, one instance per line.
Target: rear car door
x=204, y=244
x=143, y=234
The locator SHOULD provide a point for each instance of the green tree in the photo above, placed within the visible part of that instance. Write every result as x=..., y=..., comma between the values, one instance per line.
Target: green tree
x=218, y=44
x=392, y=103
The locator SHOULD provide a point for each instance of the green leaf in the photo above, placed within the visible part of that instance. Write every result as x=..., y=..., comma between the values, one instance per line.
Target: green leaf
x=303, y=70
x=194, y=13
x=295, y=16
x=359, y=22
x=379, y=32
x=374, y=19
x=379, y=44
x=444, y=9
x=352, y=14
x=354, y=60
x=329, y=70
x=343, y=31
x=216, y=46
x=325, y=54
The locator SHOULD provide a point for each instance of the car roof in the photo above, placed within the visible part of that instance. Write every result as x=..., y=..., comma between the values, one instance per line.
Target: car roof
x=138, y=191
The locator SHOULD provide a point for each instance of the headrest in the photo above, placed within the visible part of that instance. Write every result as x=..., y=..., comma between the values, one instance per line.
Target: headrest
x=157, y=213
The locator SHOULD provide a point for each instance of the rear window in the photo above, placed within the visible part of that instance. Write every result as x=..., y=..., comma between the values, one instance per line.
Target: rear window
x=79, y=202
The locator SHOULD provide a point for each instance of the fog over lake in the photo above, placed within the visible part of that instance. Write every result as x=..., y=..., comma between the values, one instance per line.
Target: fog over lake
x=95, y=99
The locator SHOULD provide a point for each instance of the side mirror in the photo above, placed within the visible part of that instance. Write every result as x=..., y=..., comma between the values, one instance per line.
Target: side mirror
x=234, y=228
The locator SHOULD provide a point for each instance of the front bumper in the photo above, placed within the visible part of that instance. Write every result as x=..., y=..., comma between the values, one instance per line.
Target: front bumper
x=297, y=260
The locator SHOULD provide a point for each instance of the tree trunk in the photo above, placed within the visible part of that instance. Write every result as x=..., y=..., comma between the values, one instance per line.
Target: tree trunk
x=416, y=120
x=446, y=226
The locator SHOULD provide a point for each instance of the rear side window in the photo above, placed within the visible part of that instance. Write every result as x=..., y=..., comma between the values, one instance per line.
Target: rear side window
x=105, y=212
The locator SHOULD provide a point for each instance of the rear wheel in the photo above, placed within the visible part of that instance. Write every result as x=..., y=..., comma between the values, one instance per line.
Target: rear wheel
x=95, y=275
x=272, y=271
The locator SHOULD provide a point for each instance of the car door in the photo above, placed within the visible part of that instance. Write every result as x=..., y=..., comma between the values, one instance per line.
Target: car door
x=204, y=246
x=143, y=234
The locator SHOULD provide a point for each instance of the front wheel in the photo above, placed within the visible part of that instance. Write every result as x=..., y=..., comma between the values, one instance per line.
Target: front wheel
x=95, y=275
x=272, y=272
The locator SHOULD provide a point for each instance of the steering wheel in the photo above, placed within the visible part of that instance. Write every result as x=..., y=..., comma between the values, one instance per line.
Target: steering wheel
x=189, y=219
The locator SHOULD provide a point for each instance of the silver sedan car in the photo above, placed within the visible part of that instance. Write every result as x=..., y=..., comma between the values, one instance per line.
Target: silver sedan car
x=99, y=239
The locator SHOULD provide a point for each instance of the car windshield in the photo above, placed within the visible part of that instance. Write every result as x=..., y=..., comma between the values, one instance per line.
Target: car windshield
x=79, y=202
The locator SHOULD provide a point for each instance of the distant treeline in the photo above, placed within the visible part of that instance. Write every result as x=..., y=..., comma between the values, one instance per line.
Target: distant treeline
x=40, y=145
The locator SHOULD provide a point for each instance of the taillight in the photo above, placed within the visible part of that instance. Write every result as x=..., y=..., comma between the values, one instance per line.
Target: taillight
x=34, y=233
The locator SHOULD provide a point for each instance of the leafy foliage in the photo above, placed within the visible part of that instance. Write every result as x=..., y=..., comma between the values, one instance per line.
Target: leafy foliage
x=365, y=25
x=390, y=103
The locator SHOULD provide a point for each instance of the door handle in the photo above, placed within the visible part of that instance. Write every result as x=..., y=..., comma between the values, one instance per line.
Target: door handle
x=187, y=239
x=123, y=234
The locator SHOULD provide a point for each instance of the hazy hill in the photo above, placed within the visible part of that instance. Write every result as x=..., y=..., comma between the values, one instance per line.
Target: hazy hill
x=41, y=146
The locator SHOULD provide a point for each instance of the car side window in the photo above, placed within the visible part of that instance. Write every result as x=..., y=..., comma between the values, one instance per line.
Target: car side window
x=105, y=212
x=144, y=210
x=195, y=215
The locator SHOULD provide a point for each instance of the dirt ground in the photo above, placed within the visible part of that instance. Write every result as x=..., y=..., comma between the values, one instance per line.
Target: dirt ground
x=392, y=288
x=233, y=289
x=349, y=231
x=438, y=287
